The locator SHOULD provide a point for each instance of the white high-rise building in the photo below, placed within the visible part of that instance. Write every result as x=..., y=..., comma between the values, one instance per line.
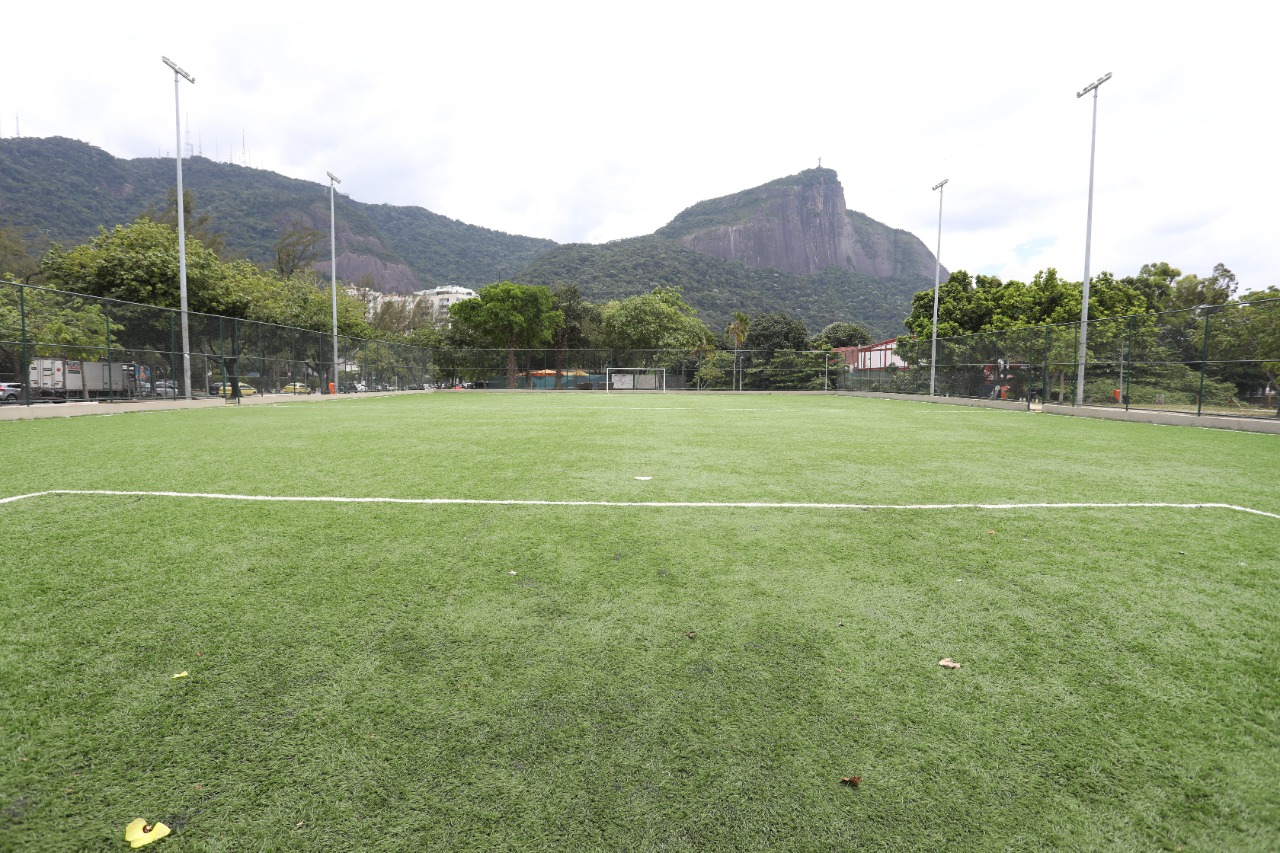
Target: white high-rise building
x=441, y=298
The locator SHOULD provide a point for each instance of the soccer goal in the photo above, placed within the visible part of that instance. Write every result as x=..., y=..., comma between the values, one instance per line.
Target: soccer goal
x=635, y=379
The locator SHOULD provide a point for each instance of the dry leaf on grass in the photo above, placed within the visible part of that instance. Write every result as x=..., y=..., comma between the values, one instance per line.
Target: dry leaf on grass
x=948, y=663
x=851, y=781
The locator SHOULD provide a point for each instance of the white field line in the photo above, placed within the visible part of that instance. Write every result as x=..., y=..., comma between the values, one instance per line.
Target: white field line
x=653, y=504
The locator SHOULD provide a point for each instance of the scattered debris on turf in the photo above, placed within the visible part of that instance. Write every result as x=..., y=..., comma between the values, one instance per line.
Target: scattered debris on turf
x=948, y=663
x=182, y=674
x=691, y=634
x=139, y=833
x=851, y=781
x=644, y=478
x=991, y=533
x=512, y=572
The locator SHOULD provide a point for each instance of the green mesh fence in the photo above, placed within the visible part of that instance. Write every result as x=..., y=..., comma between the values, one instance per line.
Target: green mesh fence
x=54, y=345
x=1210, y=360
x=66, y=346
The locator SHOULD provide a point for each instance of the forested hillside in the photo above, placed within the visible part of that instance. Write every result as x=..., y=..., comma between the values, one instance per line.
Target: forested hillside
x=809, y=257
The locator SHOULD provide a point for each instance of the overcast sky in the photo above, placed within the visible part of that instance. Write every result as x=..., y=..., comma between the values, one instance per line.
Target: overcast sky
x=588, y=122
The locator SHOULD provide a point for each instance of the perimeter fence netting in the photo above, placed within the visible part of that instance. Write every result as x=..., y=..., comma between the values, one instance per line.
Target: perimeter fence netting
x=61, y=345
x=1213, y=360
x=1218, y=359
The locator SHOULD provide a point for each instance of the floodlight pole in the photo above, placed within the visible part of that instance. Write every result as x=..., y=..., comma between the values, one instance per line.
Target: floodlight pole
x=182, y=230
x=333, y=273
x=937, y=279
x=1088, y=236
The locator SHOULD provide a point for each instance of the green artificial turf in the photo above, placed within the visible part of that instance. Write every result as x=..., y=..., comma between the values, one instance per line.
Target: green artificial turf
x=476, y=677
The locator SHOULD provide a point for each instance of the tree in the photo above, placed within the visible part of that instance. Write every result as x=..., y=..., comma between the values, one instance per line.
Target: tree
x=776, y=331
x=139, y=263
x=18, y=255
x=198, y=226
x=581, y=319
x=1155, y=283
x=656, y=320
x=59, y=324
x=841, y=334
x=738, y=331
x=296, y=248
x=510, y=315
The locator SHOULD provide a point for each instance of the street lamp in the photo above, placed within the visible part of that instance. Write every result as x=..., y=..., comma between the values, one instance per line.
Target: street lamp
x=333, y=274
x=937, y=279
x=182, y=229
x=1088, y=236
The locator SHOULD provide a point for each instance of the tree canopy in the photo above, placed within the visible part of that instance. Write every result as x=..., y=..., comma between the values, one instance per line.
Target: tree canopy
x=510, y=315
x=656, y=320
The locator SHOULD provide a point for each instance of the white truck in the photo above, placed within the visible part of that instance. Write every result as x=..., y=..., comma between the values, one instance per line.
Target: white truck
x=70, y=379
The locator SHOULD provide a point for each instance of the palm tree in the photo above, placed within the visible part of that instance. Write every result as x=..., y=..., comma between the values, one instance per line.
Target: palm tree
x=738, y=331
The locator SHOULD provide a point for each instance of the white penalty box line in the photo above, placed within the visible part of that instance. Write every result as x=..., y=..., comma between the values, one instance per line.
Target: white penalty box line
x=640, y=504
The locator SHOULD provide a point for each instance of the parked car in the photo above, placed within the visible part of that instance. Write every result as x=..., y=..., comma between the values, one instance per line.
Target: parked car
x=223, y=389
x=295, y=388
x=166, y=388
x=10, y=392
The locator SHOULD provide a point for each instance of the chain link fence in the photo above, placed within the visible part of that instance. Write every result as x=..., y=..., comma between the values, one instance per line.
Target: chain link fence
x=57, y=346
x=585, y=369
x=1210, y=360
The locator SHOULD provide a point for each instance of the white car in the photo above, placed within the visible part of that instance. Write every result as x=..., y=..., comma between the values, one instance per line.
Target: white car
x=10, y=392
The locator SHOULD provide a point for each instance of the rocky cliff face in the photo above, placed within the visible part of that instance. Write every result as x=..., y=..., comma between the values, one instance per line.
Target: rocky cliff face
x=800, y=225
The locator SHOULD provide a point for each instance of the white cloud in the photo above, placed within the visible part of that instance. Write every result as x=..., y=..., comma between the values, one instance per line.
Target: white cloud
x=583, y=122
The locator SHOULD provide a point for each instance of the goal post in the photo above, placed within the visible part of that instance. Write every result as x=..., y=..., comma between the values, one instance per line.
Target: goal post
x=635, y=379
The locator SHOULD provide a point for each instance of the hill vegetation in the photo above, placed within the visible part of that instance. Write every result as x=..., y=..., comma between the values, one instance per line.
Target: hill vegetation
x=63, y=191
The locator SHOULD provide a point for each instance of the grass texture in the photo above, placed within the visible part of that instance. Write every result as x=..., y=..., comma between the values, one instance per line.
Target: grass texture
x=489, y=677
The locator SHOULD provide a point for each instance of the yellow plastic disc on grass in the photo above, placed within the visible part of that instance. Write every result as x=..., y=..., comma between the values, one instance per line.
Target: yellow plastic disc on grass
x=140, y=833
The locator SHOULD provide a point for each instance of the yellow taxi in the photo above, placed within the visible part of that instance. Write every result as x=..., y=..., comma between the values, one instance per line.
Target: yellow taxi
x=223, y=389
x=295, y=388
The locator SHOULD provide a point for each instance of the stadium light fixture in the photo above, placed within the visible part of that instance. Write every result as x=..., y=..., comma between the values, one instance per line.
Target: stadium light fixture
x=1088, y=236
x=178, y=73
x=333, y=273
x=937, y=280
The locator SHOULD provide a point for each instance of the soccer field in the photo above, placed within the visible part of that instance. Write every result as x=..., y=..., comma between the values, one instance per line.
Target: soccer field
x=487, y=621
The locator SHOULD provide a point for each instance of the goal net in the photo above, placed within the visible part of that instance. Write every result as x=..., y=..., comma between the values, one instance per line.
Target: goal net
x=635, y=379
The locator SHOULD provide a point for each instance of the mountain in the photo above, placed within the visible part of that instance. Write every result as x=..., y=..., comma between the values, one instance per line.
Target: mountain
x=64, y=189
x=790, y=245
x=800, y=225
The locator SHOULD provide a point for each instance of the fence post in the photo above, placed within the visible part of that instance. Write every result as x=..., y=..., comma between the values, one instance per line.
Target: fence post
x=26, y=366
x=1124, y=389
x=1204, y=359
x=84, y=374
x=172, y=370
x=1044, y=374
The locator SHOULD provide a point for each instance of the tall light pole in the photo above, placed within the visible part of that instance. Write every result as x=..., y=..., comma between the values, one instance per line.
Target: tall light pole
x=937, y=281
x=333, y=273
x=1088, y=236
x=182, y=230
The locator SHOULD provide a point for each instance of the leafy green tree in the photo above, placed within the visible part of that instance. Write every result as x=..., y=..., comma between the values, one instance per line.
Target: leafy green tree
x=139, y=263
x=841, y=334
x=581, y=321
x=198, y=226
x=656, y=320
x=60, y=324
x=297, y=247
x=510, y=315
x=19, y=256
x=737, y=331
x=1155, y=282
x=776, y=331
